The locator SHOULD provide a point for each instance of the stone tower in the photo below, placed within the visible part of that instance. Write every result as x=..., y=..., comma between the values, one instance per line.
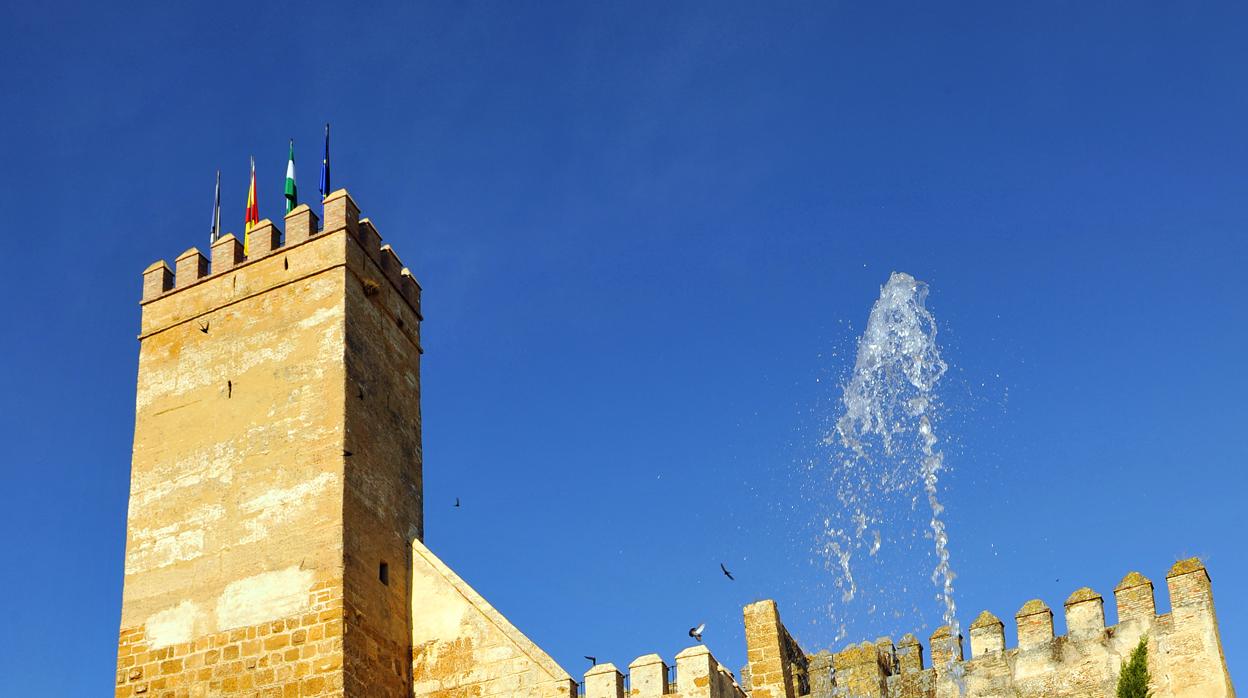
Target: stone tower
x=276, y=481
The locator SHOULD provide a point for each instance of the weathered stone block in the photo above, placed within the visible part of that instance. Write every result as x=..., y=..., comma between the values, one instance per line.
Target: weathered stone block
x=987, y=634
x=191, y=267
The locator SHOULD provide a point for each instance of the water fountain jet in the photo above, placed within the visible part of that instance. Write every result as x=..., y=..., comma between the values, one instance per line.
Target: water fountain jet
x=885, y=441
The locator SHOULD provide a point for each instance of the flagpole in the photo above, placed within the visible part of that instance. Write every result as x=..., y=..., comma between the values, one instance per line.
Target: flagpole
x=253, y=208
x=325, y=165
x=216, y=213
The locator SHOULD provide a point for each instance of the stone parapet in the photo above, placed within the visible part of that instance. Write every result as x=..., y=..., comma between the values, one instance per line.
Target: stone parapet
x=1185, y=651
x=604, y=681
x=987, y=635
x=1085, y=613
x=1134, y=598
x=191, y=266
x=301, y=224
x=946, y=647
x=647, y=676
x=909, y=654
x=265, y=239
x=1035, y=624
x=698, y=675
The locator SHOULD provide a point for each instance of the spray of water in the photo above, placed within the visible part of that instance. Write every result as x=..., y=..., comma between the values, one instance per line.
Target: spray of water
x=884, y=444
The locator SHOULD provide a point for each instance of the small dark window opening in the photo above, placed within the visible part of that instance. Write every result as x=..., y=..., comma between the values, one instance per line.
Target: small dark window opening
x=383, y=573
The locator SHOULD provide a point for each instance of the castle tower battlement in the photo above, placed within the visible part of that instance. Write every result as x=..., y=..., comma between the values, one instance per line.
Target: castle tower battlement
x=276, y=482
x=192, y=268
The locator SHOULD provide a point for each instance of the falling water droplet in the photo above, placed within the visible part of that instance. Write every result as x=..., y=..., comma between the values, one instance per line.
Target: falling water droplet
x=885, y=455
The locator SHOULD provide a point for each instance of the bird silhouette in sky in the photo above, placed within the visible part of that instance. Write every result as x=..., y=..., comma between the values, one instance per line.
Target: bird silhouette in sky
x=457, y=502
x=696, y=633
x=592, y=660
x=726, y=572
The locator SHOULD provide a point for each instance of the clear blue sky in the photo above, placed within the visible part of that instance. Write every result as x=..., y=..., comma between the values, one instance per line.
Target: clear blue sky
x=648, y=236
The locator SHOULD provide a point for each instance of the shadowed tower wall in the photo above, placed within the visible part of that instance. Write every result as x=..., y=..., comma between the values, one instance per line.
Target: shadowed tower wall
x=276, y=468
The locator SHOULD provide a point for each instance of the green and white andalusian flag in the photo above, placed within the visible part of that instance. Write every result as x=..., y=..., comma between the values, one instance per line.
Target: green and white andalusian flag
x=292, y=199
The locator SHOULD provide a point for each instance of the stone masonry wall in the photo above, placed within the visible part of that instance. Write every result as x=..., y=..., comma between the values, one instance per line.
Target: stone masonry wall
x=1184, y=650
x=299, y=655
x=462, y=646
x=383, y=493
x=247, y=572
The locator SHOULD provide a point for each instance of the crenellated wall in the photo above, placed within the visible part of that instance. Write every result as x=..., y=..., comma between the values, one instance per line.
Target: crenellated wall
x=265, y=239
x=1185, y=652
x=698, y=675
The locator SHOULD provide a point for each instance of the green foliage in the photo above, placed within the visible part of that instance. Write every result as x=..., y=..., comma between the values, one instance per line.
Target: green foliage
x=1133, y=682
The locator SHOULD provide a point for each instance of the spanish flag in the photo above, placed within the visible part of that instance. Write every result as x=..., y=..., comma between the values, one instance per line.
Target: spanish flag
x=253, y=208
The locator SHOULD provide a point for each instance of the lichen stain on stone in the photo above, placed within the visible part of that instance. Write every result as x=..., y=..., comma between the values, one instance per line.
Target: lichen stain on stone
x=444, y=662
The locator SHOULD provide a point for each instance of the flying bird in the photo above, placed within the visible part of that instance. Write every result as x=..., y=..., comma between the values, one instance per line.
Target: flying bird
x=346, y=453
x=726, y=572
x=696, y=633
x=457, y=502
x=203, y=327
x=593, y=661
